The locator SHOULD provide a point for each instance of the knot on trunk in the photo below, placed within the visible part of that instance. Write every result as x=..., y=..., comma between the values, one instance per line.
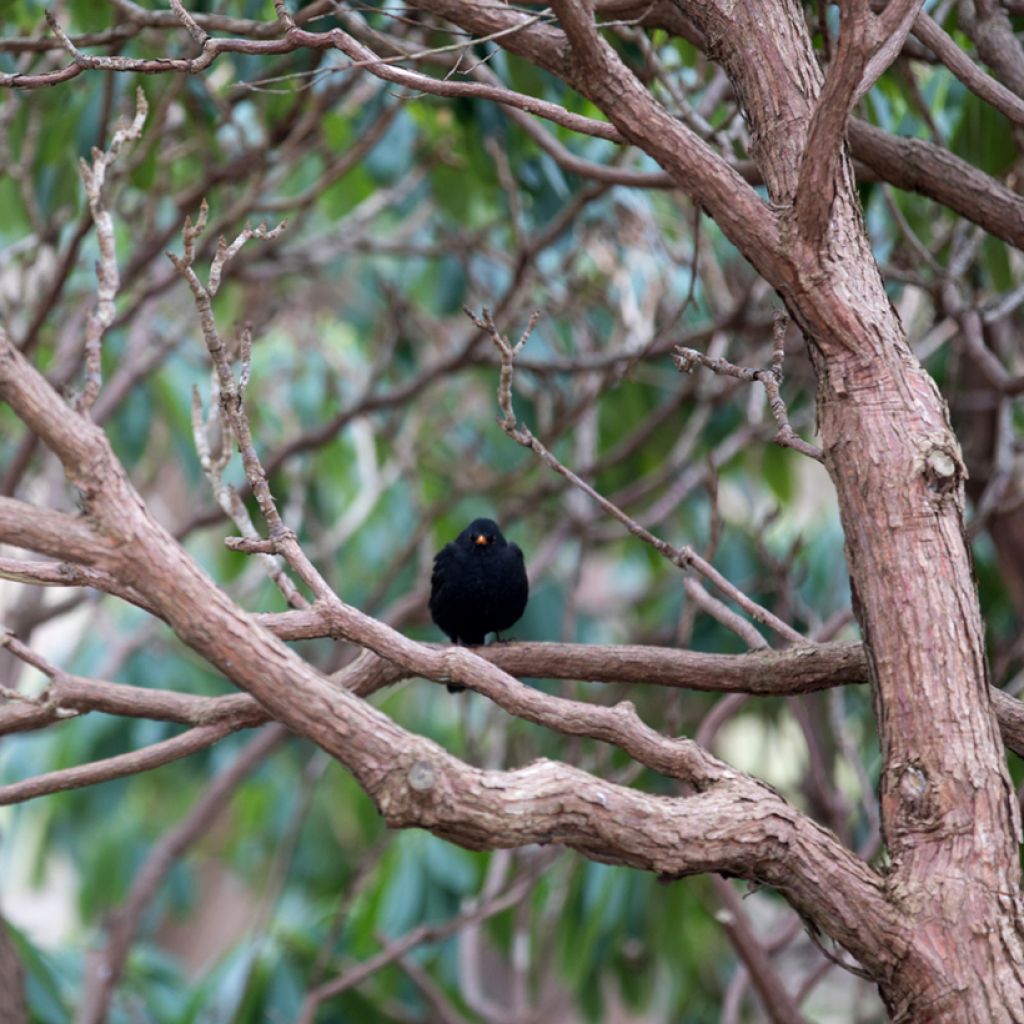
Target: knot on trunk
x=942, y=467
x=915, y=792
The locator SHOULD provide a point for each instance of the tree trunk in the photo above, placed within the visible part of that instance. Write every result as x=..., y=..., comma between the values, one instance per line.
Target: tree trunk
x=949, y=814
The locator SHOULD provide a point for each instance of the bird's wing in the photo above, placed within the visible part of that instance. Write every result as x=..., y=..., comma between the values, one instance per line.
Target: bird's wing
x=441, y=562
x=518, y=552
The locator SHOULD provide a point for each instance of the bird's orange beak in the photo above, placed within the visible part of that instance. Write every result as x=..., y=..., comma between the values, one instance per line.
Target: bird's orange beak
x=481, y=539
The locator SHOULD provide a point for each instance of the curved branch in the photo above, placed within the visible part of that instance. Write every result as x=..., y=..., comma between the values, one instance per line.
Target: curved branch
x=738, y=826
x=984, y=86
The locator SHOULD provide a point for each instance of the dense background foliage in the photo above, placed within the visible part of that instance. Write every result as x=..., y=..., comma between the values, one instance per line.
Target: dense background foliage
x=372, y=400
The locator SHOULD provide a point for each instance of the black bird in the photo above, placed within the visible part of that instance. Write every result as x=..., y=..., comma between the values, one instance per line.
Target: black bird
x=478, y=585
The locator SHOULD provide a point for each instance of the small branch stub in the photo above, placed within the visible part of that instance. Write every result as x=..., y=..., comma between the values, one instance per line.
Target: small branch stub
x=941, y=471
x=915, y=791
x=422, y=777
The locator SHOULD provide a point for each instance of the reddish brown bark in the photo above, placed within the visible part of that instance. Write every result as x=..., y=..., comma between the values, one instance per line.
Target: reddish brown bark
x=948, y=809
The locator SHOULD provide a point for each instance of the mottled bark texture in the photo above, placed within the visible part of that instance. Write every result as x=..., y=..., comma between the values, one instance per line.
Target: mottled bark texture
x=949, y=815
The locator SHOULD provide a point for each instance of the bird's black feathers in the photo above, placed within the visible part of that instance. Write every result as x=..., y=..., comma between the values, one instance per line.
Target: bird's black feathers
x=478, y=585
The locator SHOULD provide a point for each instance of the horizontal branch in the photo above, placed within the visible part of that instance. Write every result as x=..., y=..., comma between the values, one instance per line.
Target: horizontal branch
x=62, y=573
x=734, y=824
x=919, y=166
x=68, y=694
x=801, y=669
x=137, y=18
x=296, y=38
x=116, y=767
x=768, y=673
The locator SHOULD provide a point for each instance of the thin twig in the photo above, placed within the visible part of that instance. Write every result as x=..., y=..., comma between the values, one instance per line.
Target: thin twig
x=116, y=767
x=686, y=359
x=684, y=557
x=109, y=280
x=232, y=393
x=473, y=914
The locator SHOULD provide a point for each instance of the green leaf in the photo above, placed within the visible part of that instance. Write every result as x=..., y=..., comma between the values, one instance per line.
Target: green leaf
x=983, y=137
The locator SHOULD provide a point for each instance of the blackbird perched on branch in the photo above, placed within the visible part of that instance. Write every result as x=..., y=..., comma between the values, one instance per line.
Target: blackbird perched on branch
x=478, y=585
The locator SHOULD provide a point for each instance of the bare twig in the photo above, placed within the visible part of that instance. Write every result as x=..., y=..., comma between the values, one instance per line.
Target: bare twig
x=723, y=614
x=68, y=695
x=232, y=394
x=116, y=767
x=203, y=430
x=395, y=950
x=108, y=278
x=683, y=557
x=296, y=39
x=686, y=359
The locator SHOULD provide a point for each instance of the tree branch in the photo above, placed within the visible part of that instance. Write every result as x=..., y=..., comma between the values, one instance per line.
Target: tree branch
x=868, y=43
x=61, y=574
x=117, y=767
x=108, y=279
x=984, y=86
x=49, y=532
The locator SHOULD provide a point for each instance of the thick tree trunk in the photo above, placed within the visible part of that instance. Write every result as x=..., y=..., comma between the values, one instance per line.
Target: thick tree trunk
x=948, y=810
x=949, y=815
